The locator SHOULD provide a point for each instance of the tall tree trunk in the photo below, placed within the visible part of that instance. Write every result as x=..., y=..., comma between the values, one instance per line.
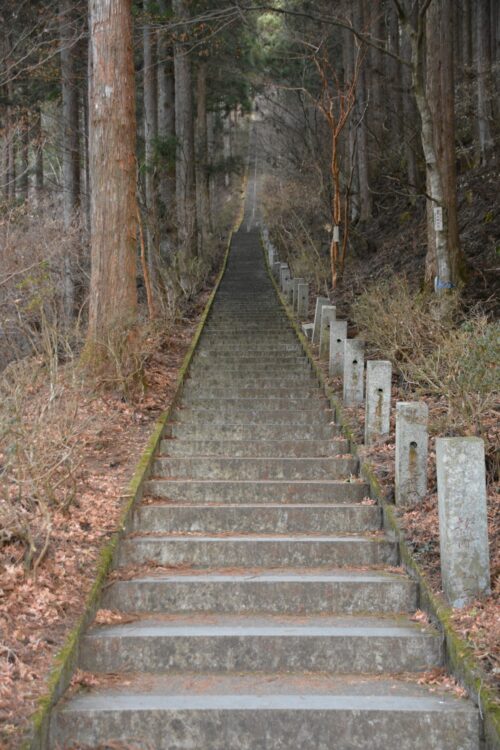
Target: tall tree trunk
x=23, y=179
x=410, y=116
x=350, y=161
x=202, y=174
x=113, y=292
x=447, y=257
x=70, y=142
x=440, y=93
x=484, y=87
x=150, y=138
x=166, y=129
x=184, y=128
x=37, y=140
x=365, y=197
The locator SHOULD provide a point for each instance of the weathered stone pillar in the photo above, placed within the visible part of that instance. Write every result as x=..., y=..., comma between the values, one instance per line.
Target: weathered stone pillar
x=338, y=334
x=411, y=451
x=284, y=275
x=320, y=302
x=328, y=313
x=295, y=292
x=302, y=300
x=463, y=519
x=276, y=269
x=354, y=365
x=378, y=399
x=287, y=288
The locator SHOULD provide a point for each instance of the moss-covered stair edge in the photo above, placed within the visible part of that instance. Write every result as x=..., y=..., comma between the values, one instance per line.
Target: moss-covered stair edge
x=66, y=659
x=459, y=655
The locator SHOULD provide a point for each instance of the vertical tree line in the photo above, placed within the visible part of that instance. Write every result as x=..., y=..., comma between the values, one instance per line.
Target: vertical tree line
x=113, y=112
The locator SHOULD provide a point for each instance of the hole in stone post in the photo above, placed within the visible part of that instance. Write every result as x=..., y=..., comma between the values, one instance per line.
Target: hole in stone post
x=380, y=390
x=355, y=361
x=339, y=341
x=413, y=457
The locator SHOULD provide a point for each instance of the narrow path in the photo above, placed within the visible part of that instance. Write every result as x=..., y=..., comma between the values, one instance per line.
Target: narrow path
x=276, y=620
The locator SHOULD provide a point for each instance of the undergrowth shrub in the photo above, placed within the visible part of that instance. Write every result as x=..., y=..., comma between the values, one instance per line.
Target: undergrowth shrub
x=39, y=457
x=438, y=353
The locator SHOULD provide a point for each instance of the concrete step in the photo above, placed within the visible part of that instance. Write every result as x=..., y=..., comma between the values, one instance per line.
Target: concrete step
x=254, y=369
x=195, y=402
x=215, y=417
x=245, y=380
x=297, y=393
x=257, y=519
x=249, y=448
x=258, y=491
x=299, y=592
x=221, y=643
x=270, y=551
x=264, y=349
x=267, y=712
x=252, y=430
x=218, y=418
x=255, y=468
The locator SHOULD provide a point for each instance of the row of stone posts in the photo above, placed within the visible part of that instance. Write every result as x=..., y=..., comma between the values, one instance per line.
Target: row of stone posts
x=461, y=479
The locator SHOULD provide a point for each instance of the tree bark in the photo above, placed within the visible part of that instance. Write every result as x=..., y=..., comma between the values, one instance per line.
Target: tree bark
x=350, y=161
x=184, y=128
x=202, y=174
x=365, y=196
x=484, y=87
x=37, y=140
x=166, y=125
x=150, y=138
x=447, y=258
x=113, y=293
x=70, y=142
x=23, y=179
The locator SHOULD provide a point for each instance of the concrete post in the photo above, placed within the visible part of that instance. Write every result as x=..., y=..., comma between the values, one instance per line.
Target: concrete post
x=338, y=334
x=284, y=276
x=378, y=399
x=302, y=301
x=295, y=292
x=463, y=519
x=287, y=288
x=354, y=365
x=271, y=255
x=411, y=452
x=276, y=269
x=328, y=313
x=320, y=302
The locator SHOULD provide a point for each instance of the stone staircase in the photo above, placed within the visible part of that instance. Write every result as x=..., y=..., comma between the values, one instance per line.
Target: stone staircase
x=278, y=619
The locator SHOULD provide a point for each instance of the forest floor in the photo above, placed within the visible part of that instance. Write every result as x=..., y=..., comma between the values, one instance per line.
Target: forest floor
x=37, y=613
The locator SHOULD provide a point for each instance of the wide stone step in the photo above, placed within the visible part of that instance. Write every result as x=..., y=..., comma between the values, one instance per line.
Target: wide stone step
x=249, y=643
x=255, y=519
x=195, y=401
x=258, y=491
x=244, y=356
x=242, y=591
x=255, y=468
x=243, y=380
x=254, y=368
x=252, y=430
x=267, y=712
x=221, y=350
x=250, y=448
x=270, y=551
x=298, y=393
x=215, y=417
